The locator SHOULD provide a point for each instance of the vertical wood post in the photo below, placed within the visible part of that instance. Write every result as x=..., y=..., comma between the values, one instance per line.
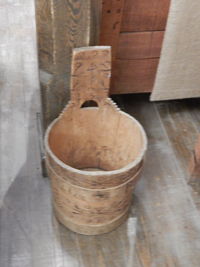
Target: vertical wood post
x=111, y=23
x=61, y=26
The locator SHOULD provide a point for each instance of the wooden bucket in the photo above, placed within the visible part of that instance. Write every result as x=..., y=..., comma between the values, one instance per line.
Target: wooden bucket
x=94, y=155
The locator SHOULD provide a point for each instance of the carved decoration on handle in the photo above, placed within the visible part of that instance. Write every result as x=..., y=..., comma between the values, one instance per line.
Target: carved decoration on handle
x=90, y=74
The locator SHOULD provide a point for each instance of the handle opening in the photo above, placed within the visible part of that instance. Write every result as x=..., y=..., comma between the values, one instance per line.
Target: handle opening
x=89, y=103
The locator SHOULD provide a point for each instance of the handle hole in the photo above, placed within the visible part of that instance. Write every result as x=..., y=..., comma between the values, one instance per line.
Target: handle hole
x=89, y=103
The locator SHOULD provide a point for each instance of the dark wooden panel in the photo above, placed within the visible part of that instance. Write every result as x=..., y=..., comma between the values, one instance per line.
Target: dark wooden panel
x=133, y=76
x=140, y=45
x=145, y=15
x=110, y=23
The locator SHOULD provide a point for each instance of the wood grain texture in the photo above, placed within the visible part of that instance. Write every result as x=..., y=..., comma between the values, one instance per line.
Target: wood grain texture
x=137, y=34
x=194, y=164
x=144, y=15
x=181, y=122
x=44, y=21
x=110, y=23
x=140, y=45
x=181, y=129
x=132, y=76
x=173, y=206
x=96, y=201
x=162, y=228
x=62, y=25
x=95, y=21
x=91, y=70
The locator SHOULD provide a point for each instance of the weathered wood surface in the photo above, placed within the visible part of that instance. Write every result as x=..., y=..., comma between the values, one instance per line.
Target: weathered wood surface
x=194, y=165
x=140, y=45
x=169, y=218
x=163, y=227
x=95, y=21
x=102, y=138
x=133, y=75
x=110, y=25
x=61, y=26
x=182, y=128
x=135, y=30
x=144, y=15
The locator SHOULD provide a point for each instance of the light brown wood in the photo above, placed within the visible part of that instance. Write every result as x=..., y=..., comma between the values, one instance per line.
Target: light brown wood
x=133, y=76
x=144, y=15
x=101, y=137
x=140, y=45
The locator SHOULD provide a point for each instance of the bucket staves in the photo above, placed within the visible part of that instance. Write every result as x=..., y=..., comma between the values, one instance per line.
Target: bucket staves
x=94, y=151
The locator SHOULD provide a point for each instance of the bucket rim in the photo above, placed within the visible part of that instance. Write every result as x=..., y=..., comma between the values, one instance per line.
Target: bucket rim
x=127, y=167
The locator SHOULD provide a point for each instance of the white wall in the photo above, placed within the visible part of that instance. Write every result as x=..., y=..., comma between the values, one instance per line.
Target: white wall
x=19, y=87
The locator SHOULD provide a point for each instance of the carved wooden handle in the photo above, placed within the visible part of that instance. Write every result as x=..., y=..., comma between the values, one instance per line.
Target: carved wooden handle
x=90, y=74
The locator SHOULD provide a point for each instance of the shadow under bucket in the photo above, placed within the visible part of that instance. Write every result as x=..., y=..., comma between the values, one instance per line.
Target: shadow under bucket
x=94, y=151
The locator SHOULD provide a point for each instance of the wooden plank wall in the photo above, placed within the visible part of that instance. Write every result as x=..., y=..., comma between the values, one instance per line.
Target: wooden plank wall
x=139, y=47
x=135, y=29
x=144, y=15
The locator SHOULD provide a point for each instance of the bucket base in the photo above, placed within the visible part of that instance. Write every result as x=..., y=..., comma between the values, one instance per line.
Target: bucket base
x=89, y=229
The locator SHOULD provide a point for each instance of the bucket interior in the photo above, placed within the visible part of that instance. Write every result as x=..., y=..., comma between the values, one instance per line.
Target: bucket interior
x=93, y=139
